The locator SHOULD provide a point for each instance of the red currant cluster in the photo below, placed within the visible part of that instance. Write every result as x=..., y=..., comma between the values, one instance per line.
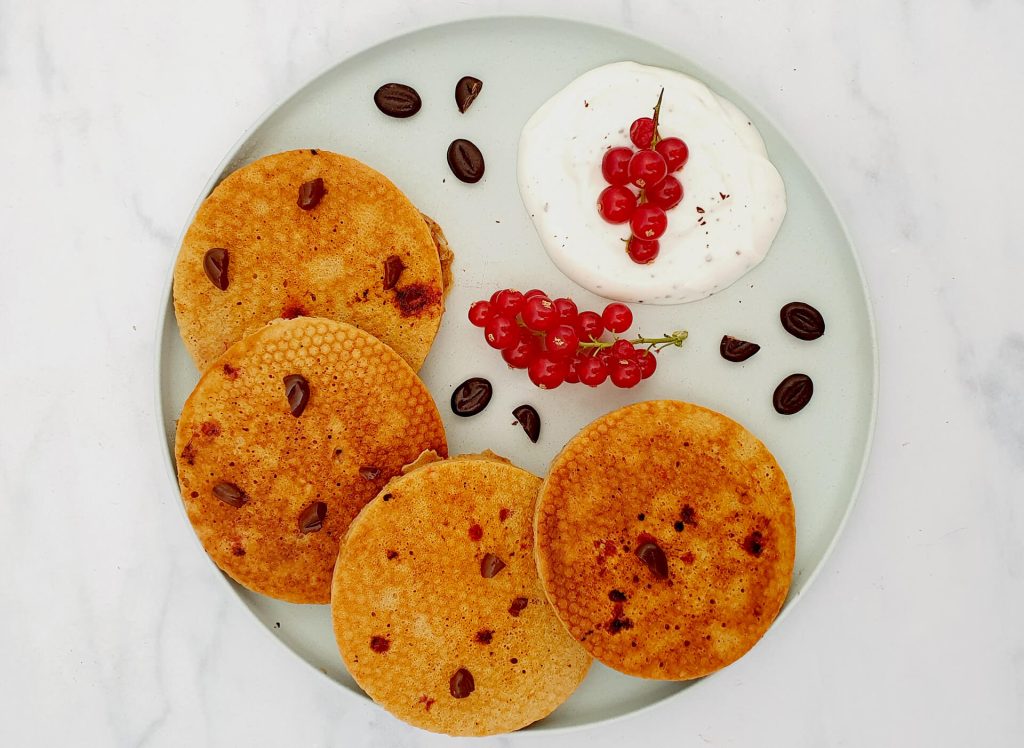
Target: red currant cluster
x=650, y=169
x=555, y=342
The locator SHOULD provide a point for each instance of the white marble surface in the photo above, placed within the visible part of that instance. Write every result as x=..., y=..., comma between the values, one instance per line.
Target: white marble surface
x=115, y=631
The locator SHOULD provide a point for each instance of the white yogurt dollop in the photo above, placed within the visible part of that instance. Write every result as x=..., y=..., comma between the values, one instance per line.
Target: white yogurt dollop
x=733, y=197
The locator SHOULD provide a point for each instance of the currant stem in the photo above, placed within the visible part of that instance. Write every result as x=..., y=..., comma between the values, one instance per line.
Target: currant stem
x=657, y=112
x=674, y=339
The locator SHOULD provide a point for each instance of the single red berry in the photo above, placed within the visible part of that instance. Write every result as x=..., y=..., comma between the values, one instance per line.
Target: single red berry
x=592, y=371
x=522, y=353
x=623, y=349
x=666, y=194
x=648, y=363
x=641, y=132
x=615, y=165
x=674, y=151
x=566, y=310
x=590, y=326
x=562, y=341
x=642, y=251
x=616, y=204
x=546, y=372
x=605, y=355
x=540, y=314
x=626, y=374
x=648, y=221
x=501, y=332
x=572, y=374
x=647, y=168
x=534, y=292
x=479, y=313
x=617, y=317
x=494, y=297
x=508, y=303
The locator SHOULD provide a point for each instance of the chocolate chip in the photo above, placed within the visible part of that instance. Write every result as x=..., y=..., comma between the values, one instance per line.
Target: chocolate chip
x=369, y=473
x=311, y=519
x=792, y=394
x=652, y=555
x=736, y=350
x=461, y=684
x=393, y=267
x=802, y=320
x=215, y=263
x=490, y=565
x=530, y=420
x=380, y=644
x=397, y=100
x=296, y=389
x=754, y=543
x=466, y=91
x=466, y=161
x=518, y=606
x=311, y=193
x=471, y=397
x=617, y=596
x=484, y=636
x=230, y=494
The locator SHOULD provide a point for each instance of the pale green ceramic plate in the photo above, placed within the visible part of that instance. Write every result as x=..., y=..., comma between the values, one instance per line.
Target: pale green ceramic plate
x=522, y=62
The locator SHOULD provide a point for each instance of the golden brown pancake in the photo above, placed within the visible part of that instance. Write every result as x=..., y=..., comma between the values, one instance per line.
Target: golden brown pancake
x=327, y=261
x=665, y=539
x=422, y=629
x=270, y=494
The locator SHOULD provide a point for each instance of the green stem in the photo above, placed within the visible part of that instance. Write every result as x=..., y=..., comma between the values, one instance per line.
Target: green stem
x=657, y=112
x=674, y=339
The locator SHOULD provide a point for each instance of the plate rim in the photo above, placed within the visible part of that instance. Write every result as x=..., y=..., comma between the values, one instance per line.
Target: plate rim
x=166, y=306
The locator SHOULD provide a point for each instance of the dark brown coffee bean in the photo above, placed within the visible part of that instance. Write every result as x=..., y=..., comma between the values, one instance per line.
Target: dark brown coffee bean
x=490, y=565
x=652, y=555
x=792, y=394
x=393, y=267
x=311, y=193
x=802, y=320
x=518, y=606
x=466, y=161
x=369, y=473
x=734, y=349
x=530, y=421
x=215, y=263
x=397, y=100
x=466, y=91
x=296, y=389
x=230, y=494
x=471, y=397
x=311, y=519
x=461, y=684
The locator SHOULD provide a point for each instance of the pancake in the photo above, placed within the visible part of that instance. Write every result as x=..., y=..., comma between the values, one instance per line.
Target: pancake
x=665, y=539
x=271, y=494
x=328, y=261
x=416, y=620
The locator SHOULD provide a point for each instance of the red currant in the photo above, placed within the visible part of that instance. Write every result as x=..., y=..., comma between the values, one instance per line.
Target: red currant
x=540, y=314
x=592, y=371
x=623, y=349
x=647, y=168
x=642, y=251
x=562, y=341
x=666, y=194
x=534, y=292
x=626, y=374
x=648, y=221
x=501, y=332
x=566, y=310
x=674, y=151
x=479, y=313
x=617, y=317
x=641, y=132
x=546, y=372
x=508, y=303
x=648, y=363
x=522, y=353
x=494, y=297
x=616, y=203
x=590, y=326
x=572, y=374
x=615, y=165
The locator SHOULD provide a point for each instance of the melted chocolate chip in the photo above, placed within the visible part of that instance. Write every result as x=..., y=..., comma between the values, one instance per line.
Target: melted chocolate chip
x=802, y=320
x=490, y=565
x=466, y=161
x=736, y=350
x=311, y=193
x=484, y=636
x=215, y=263
x=380, y=644
x=397, y=100
x=466, y=91
x=311, y=519
x=296, y=389
x=529, y=419
x=652, y=555
x=754, y=543
x=617, y=596
x=792, y=394
x=230, y=494
x=475, y=532
x=518, y=606
x=369, y=473
x=471, y=397
x=393, y=267
x=461, y=683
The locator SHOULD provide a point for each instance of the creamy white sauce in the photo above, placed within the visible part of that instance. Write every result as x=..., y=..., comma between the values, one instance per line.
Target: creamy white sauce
x=560, y=153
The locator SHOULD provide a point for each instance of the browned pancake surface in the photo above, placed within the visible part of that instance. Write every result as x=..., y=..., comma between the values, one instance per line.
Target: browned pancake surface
x=367, y=415
x=671, y=478
x=412, y=608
